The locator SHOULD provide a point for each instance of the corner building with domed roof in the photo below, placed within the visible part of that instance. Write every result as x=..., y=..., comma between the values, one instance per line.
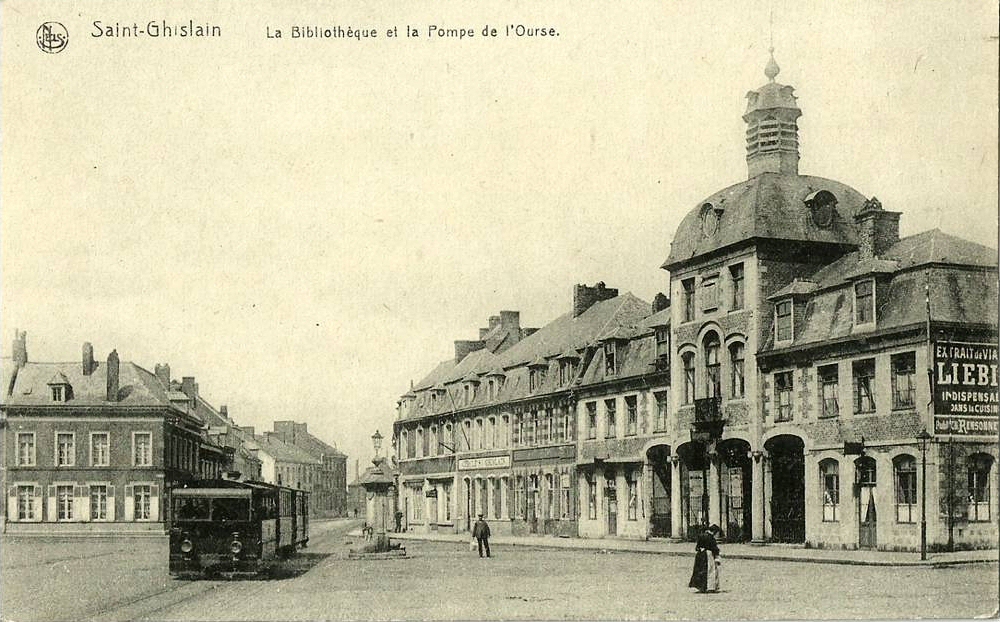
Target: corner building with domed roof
x=811, y=349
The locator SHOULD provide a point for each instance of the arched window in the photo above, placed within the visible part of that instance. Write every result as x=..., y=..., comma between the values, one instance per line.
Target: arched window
x=829, y=475
x=713, y=379
x=865, y=470
x=688, y=359
x=736, y=354
x=905, y=472
x=980, y=466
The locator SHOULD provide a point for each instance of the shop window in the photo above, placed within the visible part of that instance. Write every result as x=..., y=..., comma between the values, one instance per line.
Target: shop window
x=904, y=372
x=662, y=408
x=713, y=379
x=783, y=321
x=564, y=498
x=687, y=299
x=591, y=419
x=689, y=386
x=979, y=487
x=864, y=302
x=519, y=497
x=736, y=274
x=611, y=418
x=783, y=396
x=829, y=473
x=28, y=502
x=633, y=497
x=631, y=415
x=497, y=497
x=864, y=383
x=737, y=352
x=98, y=502
x=829, y=386
x=905, y=471
x=26, y=449
x=64, y=502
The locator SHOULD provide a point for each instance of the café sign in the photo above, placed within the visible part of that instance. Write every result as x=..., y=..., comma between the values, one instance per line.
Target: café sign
x=489, y=462
x=965, y=389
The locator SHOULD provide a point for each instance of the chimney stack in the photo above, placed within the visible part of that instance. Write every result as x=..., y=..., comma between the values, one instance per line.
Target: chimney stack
x=20, y=349
x=494, y=321
x=660, y=302
x=878, y=229
x=112, y=394
x=510, y=320
x=224, y=411
x=89, y=365
x=585, y=297
x=464, y=348
x=190, y=388
x=163, y=373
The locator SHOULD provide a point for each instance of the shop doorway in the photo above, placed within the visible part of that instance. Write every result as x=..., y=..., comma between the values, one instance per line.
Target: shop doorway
x=864, y=469
x=533, y=504
x=468, y=505
x=658, y=458
x=788, y=491
x=611, y=497
x=737, y=488
x=693, y=488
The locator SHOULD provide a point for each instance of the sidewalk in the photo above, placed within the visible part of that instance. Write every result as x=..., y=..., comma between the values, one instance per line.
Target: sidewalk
x=769, y=552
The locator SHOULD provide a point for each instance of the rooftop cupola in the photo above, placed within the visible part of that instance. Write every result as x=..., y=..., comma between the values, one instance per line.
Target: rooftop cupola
x=772, y=132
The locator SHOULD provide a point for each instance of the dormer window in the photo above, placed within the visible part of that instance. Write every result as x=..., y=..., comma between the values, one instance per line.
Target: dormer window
x=783, y=321
x=864, y=302
x=491, y=388
x=663, y=342
x=610, y=358
x=536, y=378
x=60, y=388
x=567, y=371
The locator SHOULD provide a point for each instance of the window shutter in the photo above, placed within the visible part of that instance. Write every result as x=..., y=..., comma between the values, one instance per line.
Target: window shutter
x=81, y=505
x=154, y=503
x=129, y=503
x=52, y=516
x=36, y=503
x=12, y=504
x=111, y=503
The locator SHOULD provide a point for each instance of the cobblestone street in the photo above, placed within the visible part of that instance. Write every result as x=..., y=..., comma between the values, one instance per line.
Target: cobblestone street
x=101, y=580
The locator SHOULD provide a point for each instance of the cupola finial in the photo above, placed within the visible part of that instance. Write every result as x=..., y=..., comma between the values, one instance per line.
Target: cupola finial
x=772, y=69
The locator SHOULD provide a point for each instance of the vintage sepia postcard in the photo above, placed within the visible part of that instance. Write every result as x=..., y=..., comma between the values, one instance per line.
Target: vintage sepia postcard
x=511, y=309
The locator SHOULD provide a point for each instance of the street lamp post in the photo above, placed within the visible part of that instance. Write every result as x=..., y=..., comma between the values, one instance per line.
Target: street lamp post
x=923, y=437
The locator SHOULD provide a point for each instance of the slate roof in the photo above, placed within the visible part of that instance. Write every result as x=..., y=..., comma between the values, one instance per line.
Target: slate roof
x=284, y=452
x=962, y=279
x=620, y=317
x=769, y=205
x=137, y=386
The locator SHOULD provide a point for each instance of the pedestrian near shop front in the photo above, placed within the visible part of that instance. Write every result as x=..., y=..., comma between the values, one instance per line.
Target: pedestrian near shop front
x=705, y=575
x=481, y=532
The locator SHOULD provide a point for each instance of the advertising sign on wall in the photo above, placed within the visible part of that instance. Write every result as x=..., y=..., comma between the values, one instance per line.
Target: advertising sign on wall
x=965, y=389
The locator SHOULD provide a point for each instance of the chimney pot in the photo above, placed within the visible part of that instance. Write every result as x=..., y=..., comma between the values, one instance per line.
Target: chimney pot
x=585, y=297
x=163, y=373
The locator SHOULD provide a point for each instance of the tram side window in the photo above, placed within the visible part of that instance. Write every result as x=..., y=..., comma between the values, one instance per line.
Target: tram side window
x=191, y=509
x=230, y=509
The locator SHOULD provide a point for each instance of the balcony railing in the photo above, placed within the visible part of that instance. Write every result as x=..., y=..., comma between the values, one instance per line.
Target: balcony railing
x=708, y=409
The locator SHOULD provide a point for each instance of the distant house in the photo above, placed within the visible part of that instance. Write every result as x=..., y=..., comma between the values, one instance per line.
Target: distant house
x=95, y=446
x=330, y=489
x=283, y=463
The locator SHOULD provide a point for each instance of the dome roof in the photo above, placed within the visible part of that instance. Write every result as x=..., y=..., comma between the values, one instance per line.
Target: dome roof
x=769, y=205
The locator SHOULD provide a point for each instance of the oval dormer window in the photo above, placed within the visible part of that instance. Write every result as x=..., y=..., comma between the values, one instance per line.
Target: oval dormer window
x=709, y=219
x=822, y=204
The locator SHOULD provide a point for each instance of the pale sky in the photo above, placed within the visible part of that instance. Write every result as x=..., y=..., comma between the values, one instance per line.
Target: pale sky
x=306, y=225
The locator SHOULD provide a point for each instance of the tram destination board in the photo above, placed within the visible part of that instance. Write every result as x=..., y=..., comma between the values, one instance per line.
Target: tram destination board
x=965, y=389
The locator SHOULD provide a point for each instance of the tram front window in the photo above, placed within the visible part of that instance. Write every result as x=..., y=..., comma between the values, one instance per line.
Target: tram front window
x=230, y=509
x=191, y=509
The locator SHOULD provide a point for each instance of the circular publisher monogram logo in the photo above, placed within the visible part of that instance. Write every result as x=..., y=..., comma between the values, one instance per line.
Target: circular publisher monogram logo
x=52, y=37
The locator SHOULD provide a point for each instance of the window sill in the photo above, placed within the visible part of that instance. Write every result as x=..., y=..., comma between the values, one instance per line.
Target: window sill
x=823, y=417
x=897, y=409
x=867, y=413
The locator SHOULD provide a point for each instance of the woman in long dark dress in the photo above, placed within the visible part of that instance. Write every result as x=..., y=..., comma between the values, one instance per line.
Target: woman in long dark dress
x=705, y=577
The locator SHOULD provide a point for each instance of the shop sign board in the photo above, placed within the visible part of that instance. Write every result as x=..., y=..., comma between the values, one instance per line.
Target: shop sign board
x=489, y=462
x=965, y=389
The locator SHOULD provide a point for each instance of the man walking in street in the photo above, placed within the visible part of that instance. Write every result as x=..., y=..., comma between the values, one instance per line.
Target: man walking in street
x=481, y=532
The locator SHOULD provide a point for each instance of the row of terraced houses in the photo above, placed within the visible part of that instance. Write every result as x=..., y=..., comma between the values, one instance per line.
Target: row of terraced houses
x=98, y=446
x=807, y=367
